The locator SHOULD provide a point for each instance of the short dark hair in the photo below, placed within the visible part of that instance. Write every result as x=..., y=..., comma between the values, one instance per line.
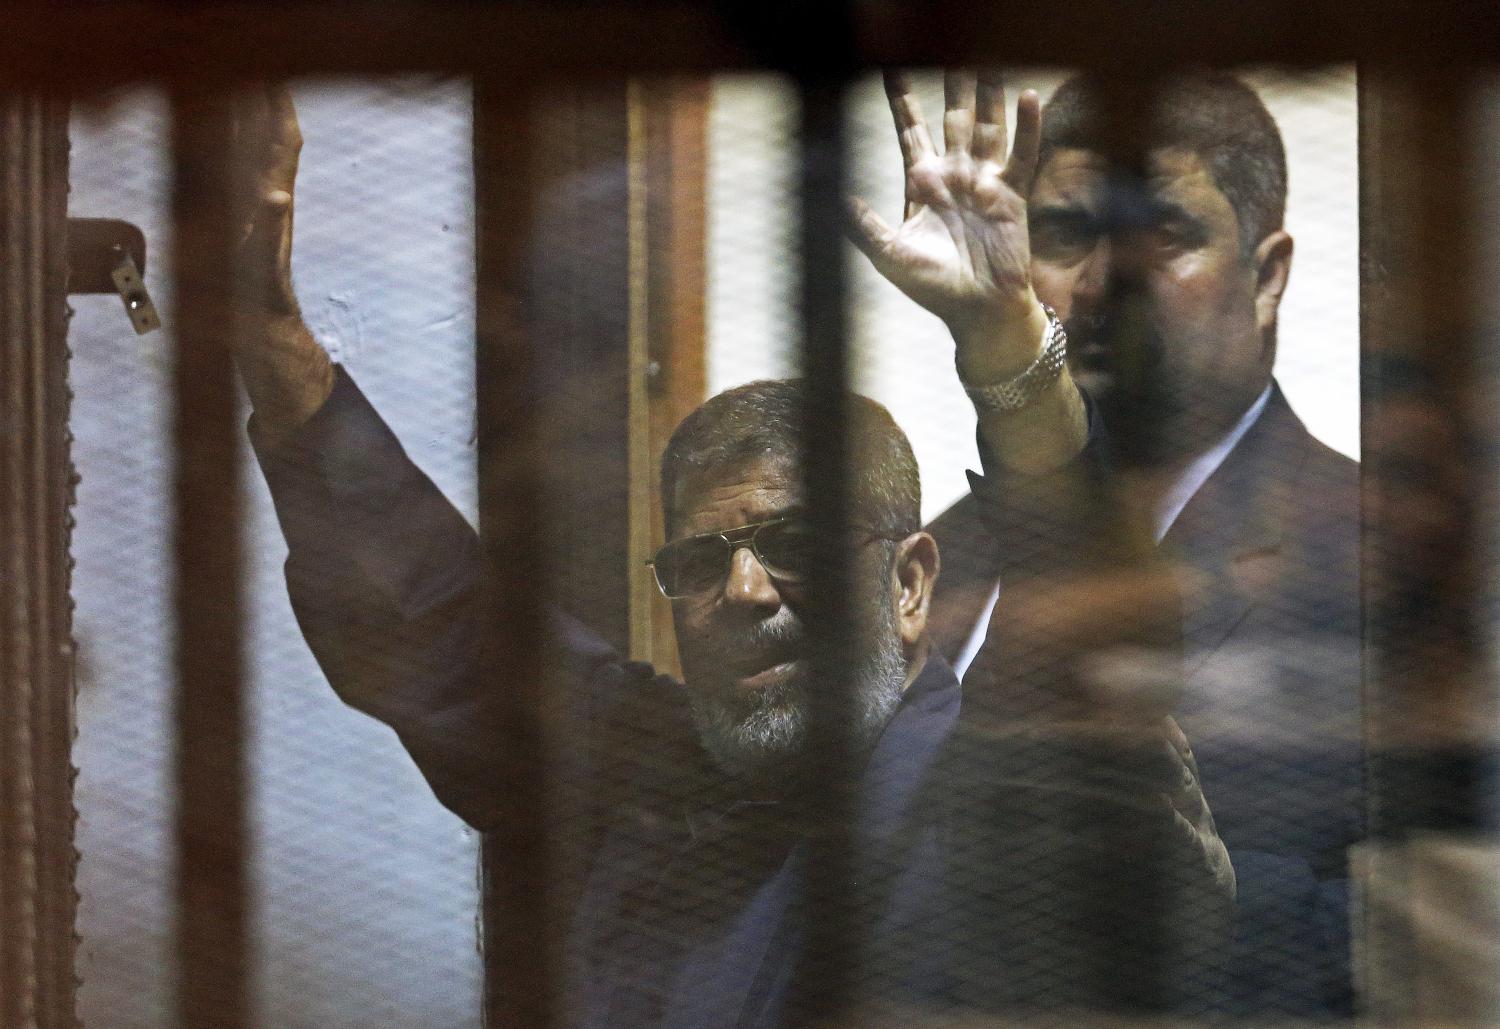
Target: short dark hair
x=762, y=418
x=1214, y=115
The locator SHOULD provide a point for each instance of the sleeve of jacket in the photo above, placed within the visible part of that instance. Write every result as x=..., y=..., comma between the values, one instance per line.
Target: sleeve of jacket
x=1090, y=791
x=384, y=577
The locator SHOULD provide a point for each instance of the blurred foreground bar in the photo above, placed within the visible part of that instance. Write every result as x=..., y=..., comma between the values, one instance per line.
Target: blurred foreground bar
x=522, y=938
x=86, y=44
x=212, y=924
x=834, y=943
x=1427, y=881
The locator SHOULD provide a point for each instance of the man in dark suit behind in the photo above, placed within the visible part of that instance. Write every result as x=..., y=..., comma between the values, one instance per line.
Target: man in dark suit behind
x=1168, y=285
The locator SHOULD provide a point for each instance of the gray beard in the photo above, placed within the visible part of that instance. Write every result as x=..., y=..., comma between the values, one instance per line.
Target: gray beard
x=763, y=736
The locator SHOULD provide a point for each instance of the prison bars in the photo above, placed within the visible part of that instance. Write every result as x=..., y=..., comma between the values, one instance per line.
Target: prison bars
x=297, y=42
x=37, y=860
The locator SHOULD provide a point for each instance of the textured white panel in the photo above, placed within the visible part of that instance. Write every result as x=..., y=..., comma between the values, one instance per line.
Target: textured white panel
x=364, y=892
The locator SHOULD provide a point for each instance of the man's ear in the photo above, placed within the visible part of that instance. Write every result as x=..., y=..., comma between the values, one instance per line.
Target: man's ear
x=1273, y=266
x=916, y=572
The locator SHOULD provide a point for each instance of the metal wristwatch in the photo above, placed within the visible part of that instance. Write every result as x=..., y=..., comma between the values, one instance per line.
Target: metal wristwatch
x=1015, y=393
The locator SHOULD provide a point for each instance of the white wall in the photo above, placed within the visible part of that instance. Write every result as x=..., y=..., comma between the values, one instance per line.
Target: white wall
x=363, y=887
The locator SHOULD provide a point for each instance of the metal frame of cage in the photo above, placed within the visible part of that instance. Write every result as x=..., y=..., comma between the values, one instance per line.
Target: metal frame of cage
x=1418, y=305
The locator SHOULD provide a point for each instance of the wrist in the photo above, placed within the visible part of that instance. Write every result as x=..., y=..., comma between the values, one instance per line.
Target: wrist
x=286, y=372
x=1000, y=348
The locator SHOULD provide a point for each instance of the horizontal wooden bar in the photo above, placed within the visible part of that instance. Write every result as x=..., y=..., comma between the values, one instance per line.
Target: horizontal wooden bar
x=81, y=46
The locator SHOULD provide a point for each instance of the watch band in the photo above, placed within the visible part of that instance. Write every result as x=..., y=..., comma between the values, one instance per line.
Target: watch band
x=1015, y=393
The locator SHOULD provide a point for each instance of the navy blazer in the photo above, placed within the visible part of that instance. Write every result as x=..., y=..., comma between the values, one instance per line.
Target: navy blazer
x=984, y=873
x=1272, y=701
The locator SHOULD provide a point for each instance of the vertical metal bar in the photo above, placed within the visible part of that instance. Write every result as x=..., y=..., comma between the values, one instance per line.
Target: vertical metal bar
x=36, y=672
x=1126, y=100
x=1127, y=975
x=1425, y=418
x=1378, y=968
x=642, y=592
x=211, y=943
x=832, y=946
x=18, y=886
x=578, y=299
x=521, y=951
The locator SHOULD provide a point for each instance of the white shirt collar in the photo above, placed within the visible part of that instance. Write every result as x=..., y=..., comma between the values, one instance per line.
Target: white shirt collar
x=1201, y=467
x=1187, y=484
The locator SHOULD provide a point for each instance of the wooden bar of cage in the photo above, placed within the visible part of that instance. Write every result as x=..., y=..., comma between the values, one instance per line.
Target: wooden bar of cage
x=81, y=45
x=1126, y=977
x=37, y=859
x=77, y=46
x=213, y=930
x=522, y=974
x=1428, y=390
x=831, y=956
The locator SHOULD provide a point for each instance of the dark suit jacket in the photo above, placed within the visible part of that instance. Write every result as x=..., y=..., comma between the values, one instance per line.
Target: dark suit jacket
x=1272, y=703
x=971, y=881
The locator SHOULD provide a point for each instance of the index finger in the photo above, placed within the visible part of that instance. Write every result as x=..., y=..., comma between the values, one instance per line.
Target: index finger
x=911, y=127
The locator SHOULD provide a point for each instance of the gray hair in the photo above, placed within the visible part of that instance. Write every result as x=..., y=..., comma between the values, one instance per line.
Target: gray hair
x=763, y=418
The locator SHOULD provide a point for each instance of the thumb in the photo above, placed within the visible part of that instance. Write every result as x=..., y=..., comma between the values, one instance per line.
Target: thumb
x=870, y=232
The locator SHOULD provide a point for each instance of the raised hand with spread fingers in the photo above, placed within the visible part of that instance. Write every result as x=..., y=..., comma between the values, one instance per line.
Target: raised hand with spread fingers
x=286, y=373
x=962, y=252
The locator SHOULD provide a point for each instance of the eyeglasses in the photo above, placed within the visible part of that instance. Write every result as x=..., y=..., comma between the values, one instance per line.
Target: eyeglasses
x=785, y=547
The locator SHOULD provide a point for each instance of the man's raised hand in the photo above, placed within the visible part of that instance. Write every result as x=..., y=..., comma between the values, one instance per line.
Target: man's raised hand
x=962, y=250
x=269, y=139
x=286, y=373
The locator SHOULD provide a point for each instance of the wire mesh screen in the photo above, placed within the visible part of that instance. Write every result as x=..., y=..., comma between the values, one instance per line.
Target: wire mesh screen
x=1141, y=801
x=122, y=621
x=363, y=887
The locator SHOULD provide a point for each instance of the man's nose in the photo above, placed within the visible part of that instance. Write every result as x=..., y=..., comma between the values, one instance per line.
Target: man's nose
x=1091, y=283
x=748, y=584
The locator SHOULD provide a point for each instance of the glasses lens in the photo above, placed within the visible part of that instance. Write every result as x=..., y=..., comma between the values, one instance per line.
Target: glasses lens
x=690, y=566
x=786, y=549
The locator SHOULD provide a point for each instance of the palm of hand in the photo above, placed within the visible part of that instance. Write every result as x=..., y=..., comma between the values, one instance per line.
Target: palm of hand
x=962, y=250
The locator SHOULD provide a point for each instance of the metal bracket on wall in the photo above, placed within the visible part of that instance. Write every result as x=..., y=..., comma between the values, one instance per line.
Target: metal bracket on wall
x=106, y=255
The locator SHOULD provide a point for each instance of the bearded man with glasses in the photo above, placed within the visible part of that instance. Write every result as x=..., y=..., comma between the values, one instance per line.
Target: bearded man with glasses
x=1026, y=865
x=737, y=564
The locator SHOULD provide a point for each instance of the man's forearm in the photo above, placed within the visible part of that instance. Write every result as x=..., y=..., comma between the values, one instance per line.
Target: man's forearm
x=286, y=373
x=1052, y=428
x=1042, y=436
